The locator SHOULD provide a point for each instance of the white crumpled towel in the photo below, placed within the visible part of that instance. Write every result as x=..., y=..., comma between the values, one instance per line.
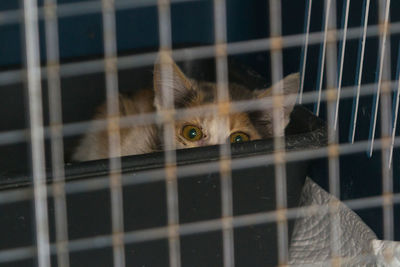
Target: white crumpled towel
x=315, y=236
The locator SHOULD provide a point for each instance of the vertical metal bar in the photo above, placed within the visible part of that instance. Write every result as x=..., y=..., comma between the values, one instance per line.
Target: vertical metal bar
x=321, y=64
x=333, y=154
x=171, y=181
x=360, y=65
x=223, y=115
x=384, y=29
x=304, y=51
x=331, y=80
x=275, y=14
x=387, y=172
x=345, y=20
x=395, y=106
x=114, y=142
x=36, y=130
x=56, y=135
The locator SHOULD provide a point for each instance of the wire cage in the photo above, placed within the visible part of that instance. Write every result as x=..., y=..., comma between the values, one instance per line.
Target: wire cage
x=328, y=192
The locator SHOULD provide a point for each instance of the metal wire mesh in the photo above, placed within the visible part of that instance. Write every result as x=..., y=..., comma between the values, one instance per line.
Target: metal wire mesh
x=327, y=99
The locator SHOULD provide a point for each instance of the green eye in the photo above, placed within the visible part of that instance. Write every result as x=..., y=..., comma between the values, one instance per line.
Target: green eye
x=192, y=133
x=239, y=137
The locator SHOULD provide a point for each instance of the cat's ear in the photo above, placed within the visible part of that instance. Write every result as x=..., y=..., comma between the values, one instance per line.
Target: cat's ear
x=169, y=81
x=290, y=86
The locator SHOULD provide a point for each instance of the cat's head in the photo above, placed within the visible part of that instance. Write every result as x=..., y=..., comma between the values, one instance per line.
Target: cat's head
x=208, y=130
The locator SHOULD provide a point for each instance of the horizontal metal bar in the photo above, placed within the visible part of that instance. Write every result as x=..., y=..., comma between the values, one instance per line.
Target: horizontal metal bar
x=147, y=59
x=156, y=175
x=82, y=8
x=77, y=128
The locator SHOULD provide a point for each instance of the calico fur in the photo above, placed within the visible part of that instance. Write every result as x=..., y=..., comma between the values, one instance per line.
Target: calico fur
x=170, y=80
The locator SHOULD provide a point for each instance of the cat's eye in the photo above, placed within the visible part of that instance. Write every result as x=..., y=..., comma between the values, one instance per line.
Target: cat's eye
x=239, y=137
x=192, y=133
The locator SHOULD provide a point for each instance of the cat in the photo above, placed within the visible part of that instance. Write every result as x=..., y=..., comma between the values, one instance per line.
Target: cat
x=193, y=132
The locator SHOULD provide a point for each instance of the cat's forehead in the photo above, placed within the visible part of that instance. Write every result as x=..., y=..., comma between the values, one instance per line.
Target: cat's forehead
x=236, y=120
x=208, y=92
